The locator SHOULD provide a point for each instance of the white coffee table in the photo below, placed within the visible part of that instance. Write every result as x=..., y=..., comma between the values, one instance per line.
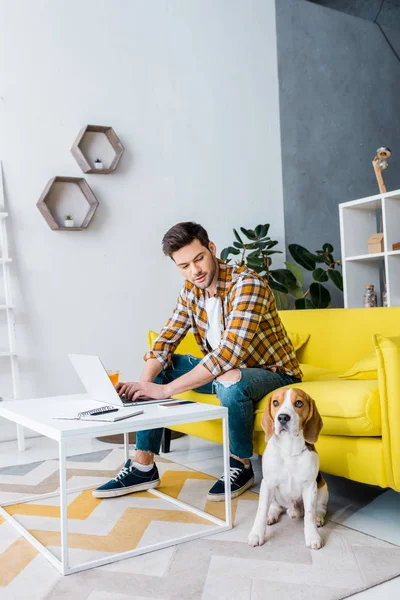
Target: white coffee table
x=37, y=415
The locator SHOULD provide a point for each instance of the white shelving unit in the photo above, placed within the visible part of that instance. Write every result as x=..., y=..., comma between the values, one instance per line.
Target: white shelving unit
x=359, y=220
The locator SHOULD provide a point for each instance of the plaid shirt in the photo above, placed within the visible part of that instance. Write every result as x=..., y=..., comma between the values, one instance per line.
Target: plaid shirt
x=252, y=334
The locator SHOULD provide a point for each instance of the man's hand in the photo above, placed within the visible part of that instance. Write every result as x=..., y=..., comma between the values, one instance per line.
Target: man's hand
x=132, y=390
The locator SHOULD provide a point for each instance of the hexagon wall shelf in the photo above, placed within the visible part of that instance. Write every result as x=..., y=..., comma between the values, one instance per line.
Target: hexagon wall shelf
x=67, y=195
x=83, y=148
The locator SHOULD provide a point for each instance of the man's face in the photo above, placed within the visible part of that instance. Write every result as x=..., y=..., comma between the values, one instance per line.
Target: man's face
x=197, y=263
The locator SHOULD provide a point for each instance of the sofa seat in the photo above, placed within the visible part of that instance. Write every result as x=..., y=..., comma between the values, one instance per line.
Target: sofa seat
x=346, y=407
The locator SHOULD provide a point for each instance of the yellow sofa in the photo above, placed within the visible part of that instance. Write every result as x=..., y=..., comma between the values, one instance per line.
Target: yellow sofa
x=360, y=439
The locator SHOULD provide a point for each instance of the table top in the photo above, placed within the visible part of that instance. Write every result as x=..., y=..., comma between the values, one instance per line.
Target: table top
x=39, y=415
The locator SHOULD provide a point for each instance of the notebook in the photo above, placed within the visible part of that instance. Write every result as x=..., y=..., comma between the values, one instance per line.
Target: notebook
x=109, y=414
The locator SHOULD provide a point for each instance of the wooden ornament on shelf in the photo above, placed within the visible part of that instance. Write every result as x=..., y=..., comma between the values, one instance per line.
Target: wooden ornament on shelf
x=81, y=155
x=396, y=246
x=375, y=243
x=380, y=164
x=49, y=197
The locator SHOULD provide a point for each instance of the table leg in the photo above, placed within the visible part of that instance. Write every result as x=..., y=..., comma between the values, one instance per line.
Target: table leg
x=126, y=445
x=228, y=500
x=63, y=507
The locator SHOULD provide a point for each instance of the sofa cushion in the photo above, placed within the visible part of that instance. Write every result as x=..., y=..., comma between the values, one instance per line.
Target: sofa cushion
x=346, y=407
x=365, y=368
x=312, y=373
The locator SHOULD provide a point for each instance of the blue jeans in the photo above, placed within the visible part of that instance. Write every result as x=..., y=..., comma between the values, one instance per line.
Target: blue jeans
x=240, y=398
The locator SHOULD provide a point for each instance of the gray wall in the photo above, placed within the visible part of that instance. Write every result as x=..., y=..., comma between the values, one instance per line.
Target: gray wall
x=339, y=101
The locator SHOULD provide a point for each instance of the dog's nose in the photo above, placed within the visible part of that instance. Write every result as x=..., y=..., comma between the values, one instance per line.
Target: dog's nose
x=283, y=418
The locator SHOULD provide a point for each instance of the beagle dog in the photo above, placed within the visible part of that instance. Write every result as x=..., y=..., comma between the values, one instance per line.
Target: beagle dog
x=290, y=466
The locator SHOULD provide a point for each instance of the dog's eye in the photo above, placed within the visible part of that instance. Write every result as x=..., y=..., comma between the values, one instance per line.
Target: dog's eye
x=298, y=403
x=275, y=402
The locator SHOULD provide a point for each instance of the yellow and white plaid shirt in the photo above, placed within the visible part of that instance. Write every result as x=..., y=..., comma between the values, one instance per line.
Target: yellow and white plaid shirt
x=252, y=334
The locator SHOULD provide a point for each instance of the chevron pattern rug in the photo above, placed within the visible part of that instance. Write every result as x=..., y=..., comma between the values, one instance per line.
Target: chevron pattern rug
x=220, y=566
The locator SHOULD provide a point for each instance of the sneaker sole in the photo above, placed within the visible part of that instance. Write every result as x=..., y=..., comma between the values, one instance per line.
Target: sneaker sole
x=221, y=497
x=141, y=487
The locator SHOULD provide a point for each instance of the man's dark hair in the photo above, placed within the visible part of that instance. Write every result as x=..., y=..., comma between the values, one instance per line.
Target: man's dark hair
x=181, y=235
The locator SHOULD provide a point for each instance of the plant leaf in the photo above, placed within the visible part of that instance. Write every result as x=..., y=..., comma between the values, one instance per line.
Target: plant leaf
x=248, y=233
x=302, y=256
x=255, y=262
x=300, y=304
x=271, y=244
x=265, y=229
x=297, y=272
x=238, y=245
x=284, y=276
x=296, y=292
x=320, y=275
x=224, y=254
x=336, y=278
x=282, y=300
x=320, y=296
x=258, y=230
x=274, y=285
x=233, y=250
x=328, y=248
x=254, y=253
x=237, y=236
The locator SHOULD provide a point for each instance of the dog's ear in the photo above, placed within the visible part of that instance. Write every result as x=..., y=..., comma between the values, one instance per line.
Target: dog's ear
x=267, y=422
x=313, y=424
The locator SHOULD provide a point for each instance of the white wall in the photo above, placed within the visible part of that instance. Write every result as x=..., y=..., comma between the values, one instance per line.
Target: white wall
x=191, y=89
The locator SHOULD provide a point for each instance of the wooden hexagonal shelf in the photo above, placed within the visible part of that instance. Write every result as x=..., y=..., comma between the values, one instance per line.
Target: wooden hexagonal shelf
x=94, y=143
x=67, y=196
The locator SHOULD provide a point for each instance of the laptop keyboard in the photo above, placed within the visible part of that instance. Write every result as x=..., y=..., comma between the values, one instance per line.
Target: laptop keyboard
x=141, y=401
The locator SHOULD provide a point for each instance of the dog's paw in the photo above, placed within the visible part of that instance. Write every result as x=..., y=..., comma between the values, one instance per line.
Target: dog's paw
x=294, y=512
x=272, y=519
x=314, y=541
x=320, y=519
x=256, y=538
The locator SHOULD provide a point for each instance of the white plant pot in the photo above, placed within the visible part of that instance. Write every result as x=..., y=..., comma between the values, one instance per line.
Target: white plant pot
x=98, y=165
x=68, y=223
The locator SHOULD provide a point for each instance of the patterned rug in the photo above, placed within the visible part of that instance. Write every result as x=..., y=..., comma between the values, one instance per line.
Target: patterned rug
x=220, y=566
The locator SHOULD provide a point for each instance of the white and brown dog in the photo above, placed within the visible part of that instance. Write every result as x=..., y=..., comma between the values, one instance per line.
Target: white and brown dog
x=291, y=477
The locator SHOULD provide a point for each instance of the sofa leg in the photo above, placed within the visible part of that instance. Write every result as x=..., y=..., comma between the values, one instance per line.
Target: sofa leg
x=166, y=441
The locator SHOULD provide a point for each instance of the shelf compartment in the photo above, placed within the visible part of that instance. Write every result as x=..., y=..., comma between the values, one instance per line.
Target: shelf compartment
x=392, y=210
x=67, y=195
x=393, y=262
x=360, y=219
x=359, y=273
x=97, y=141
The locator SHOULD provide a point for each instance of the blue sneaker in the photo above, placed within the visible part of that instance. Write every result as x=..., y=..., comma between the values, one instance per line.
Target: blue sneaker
x=241, y=479
x=128, y=480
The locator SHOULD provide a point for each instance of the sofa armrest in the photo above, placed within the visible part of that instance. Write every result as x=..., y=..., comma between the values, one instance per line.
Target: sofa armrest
x=388, y=357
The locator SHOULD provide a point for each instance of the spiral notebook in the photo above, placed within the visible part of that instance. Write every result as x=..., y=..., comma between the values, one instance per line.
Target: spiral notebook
x=108, y=414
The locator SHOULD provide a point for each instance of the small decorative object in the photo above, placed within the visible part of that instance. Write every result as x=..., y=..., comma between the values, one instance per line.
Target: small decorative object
x=384, y=297
x=396, y=246
x=375, y=243
x=370, y=299
x=68, y=222
x=98, y=164
x=380, y=164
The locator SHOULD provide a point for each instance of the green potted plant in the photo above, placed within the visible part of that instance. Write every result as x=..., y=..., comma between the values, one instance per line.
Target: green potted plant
x=287, y=284
x=68, y=221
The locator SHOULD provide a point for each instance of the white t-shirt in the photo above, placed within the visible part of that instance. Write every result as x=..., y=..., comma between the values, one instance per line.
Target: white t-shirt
x=213, y=309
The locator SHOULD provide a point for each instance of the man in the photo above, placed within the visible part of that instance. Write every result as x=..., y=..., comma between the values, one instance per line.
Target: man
x=247, y=354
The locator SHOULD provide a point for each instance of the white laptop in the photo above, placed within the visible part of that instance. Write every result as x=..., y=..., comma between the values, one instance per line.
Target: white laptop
x=98, y=384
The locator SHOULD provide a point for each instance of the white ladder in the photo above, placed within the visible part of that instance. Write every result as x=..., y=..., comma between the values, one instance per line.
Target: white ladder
x=8, y=307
